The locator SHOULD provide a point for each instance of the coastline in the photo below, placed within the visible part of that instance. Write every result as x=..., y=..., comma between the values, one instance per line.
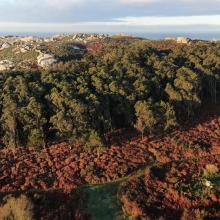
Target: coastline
x=147, y=35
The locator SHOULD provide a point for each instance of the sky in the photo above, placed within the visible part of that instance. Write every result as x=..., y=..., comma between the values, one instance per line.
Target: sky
x=110, y=16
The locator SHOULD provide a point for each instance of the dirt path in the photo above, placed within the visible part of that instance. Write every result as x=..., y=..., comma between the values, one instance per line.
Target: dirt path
x=102, y=202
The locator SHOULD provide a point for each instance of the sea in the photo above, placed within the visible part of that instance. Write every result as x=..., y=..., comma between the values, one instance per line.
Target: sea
x=147, y=35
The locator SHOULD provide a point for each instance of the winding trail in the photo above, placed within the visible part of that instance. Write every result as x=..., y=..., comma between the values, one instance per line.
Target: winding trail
x=102, y=201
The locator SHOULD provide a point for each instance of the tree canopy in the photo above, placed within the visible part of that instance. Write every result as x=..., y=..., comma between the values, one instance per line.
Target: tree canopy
x=148, y=86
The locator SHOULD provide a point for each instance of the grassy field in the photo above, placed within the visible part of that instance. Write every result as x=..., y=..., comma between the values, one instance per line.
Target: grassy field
x=101, y=199
x=102, y=203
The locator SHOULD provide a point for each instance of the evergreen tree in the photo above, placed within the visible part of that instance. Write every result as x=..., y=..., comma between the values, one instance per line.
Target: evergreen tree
x=185, y=90
x=9, y=122
x=146, y=117
x=33, y=122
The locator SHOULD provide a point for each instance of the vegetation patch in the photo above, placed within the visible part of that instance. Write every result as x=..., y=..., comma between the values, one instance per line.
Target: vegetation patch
x=168, y=191
x=102, y=202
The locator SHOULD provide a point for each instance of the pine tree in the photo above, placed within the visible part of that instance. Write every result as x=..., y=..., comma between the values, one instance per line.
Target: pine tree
x=33, y=122
x=185, y=90
x=146, y=117
x=9, y=122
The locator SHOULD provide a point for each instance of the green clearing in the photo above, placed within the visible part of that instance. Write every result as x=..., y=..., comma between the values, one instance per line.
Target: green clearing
x=101, y=199
x=102, y=203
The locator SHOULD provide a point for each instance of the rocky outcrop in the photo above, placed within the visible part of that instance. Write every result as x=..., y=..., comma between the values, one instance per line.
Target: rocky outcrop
x=45, y=60
x=27, y=39
x=183, y=40
x=89, y=37
x=25, y=49
x=6, y=65
x=5, y=46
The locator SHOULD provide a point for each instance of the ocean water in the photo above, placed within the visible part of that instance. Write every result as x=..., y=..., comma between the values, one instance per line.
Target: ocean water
x=202, y=36
x=148, y=35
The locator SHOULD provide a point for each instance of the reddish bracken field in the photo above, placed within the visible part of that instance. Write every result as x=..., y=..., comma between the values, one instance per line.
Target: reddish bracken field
x=59, y=167
x=184, y=183
x=178, y=174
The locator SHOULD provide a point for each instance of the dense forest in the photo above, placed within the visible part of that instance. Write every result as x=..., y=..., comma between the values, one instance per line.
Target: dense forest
x=148, y=86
